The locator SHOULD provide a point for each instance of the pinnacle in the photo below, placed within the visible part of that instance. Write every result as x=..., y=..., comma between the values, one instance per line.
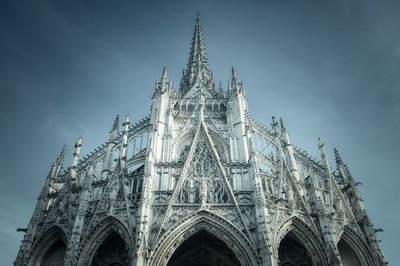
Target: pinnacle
x=283, y=128
x=234, y=76
x=115, y=124
x=198, y=51
x=337, y=157
x=57, y=164
x=274, y=124
x=197, y=67
x=60, y=157
x=164, y=73
x=234, y=80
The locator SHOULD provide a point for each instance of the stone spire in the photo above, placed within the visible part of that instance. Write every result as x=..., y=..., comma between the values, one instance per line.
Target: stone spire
x=235, y=84
x=163, y=84
x=338, y=159
x=234, y=77
x=114, y=128
x=164, y=75
x=57, y=165
x=115, y=124
x=197, y=67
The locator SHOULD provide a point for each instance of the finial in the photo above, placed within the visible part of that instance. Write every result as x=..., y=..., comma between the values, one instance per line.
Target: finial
x=197, y=16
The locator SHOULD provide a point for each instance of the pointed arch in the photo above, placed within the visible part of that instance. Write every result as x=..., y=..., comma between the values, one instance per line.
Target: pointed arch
x=53, y=237
x=187, y=137
x=109, y=226
x=220, y=145
x=203, y=248
x=181, y=143
x=349, y=238
x=214, y=225
x=303, y=234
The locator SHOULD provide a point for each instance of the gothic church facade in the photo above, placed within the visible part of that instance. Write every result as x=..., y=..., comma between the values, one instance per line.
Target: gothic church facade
x=199, y=182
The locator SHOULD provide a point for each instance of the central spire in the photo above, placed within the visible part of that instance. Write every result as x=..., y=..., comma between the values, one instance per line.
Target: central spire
x=197, y=68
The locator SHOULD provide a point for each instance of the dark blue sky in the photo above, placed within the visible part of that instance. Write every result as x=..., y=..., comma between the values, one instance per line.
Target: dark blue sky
x=331, y=69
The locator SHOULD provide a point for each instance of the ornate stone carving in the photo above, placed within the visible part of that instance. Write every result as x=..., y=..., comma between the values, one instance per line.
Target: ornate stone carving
x=199, y=163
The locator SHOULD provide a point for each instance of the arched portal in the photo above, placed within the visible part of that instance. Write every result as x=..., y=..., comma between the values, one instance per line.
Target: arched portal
x=219, y=229
x=109, y=243
x=49, y=248
x=298, y=244
x=353, y=249
x=55, y=254
x=111, y=252
x=292, y=253
x=347, y=254
x=203, y=249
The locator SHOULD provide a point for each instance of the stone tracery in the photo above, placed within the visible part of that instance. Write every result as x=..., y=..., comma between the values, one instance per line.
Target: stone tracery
x=199, y=168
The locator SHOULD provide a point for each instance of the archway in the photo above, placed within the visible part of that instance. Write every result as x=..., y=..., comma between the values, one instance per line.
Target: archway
x=111, y=252
x=347, y=254
x=297, y=237
x=49, y=248
x=109, y=243
x=292, y=253
x=203, y=249
x=55, y=254
x=353, y=248
x=213, y=224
